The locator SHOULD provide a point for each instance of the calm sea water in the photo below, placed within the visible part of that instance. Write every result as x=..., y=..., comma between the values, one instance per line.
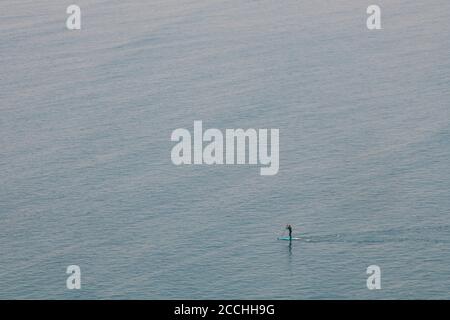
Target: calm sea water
x=85, y=170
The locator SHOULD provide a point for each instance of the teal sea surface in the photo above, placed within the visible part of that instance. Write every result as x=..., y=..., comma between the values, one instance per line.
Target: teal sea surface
x=86, y=176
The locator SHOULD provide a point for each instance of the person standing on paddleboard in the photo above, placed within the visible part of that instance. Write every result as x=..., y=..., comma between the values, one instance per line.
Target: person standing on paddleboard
x=289, y=228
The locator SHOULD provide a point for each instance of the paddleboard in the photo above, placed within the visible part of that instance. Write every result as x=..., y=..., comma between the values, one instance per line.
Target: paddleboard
x=287, y=238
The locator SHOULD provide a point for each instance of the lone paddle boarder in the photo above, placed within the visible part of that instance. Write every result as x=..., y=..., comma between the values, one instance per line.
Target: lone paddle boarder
x=289, y=228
